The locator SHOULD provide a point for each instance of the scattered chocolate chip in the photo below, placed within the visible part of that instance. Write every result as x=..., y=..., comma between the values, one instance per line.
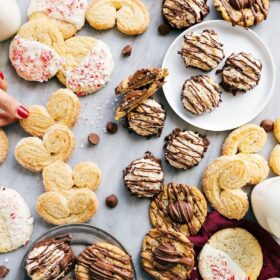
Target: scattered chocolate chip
x=111, y=127
x=112, y=201
x=164, y=29
x=3, y=271
x=93, y=139
x=267, y=125
x=127, y=50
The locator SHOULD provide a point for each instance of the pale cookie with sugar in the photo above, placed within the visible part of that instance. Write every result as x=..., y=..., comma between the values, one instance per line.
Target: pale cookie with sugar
x=231, y=253
x=276, y=129
x=274, y=160
x=131, y=16
x=16, y=223
x=4, y=146
x=62, y=107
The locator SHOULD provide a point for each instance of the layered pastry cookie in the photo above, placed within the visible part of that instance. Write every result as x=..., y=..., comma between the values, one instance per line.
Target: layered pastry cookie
x=231, y=253
x=180, y=207
x=241, y=72
x=200, y=94
x=243, y=12
x=147, y=119
x=167, y=254
x=36, y=51
x=144, y=177
x=103, y=261
x=50, y=259
x=138, y=87
x=130, y=16
x=202, y=50
x=68, y=16
x=184, y=148
x=4, y=146
x=184, y=13
x=16, y=222
x=88, y=65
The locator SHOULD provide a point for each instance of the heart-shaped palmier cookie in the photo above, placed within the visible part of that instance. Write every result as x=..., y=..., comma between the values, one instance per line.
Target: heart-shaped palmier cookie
x=35, y=154
x=4, y=146
x=63, y=107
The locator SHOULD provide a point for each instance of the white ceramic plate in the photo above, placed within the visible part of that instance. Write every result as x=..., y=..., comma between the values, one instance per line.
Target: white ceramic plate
x=233, y=111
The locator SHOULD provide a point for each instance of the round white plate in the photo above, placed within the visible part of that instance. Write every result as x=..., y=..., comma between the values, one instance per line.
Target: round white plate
x=233, y=111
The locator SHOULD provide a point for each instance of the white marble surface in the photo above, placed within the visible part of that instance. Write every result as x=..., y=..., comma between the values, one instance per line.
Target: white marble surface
x=129, y=221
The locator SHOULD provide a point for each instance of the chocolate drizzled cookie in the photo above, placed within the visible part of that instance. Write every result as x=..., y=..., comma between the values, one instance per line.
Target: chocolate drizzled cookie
x=184, y=13
x=200, y=94
x=241, y=72
x=144, y=176
x=202, y=50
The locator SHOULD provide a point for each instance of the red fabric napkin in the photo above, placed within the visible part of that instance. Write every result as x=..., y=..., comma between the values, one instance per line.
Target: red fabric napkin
x=270, y=248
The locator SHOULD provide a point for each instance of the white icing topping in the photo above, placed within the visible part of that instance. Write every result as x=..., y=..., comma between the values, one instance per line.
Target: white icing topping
x=71, y=11
x=33, y=60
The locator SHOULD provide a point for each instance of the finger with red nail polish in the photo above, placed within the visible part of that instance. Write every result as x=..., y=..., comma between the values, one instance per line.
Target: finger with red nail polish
x=22, y=112
x=2, y=75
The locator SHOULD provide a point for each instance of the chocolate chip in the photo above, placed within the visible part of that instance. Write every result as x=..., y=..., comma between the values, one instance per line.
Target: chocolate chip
x=164, y=29
x=3, y=271
x=111, y=127
x=127, y=50
x=93, y=139
x=267, y=125
x=112, y=201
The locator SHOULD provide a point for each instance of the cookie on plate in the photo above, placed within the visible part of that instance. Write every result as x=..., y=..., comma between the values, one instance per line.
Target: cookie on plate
x=103, y=261
x=184, y=13
x=144, y=177
x=180, y=207
x=68, y=16
x=167, y=254
x=16, y=223
x=130, y=16
x=202, y=50
x=231, y=253
x=243, y=12
x=185, y=149
x=241, y=72
x=88, y=65
x=4, y=146
x=200, y=94
x=36, y=51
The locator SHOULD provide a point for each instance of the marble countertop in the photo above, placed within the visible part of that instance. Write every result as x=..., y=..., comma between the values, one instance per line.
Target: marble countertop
x=130, y=220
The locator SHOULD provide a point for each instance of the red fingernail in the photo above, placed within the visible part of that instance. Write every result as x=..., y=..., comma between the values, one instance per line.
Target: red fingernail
x=23, y=112
x=1, y=75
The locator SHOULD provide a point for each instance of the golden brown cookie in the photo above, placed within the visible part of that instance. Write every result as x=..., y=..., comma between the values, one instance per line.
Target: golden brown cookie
x=276, y=129
x=179, y=207
x=4, y=146
x=274, y=160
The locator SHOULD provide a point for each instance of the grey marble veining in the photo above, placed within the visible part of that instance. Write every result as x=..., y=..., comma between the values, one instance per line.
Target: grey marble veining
x=130, y=220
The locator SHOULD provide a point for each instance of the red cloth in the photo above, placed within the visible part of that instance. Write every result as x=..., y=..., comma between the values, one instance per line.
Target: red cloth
x=270, y=248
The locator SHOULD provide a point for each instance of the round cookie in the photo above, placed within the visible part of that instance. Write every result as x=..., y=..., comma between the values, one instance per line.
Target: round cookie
x=202, y=50
x=231, y=253
x=167, y=254
x=243, y=12
x=131, y=16
x=88, y=65
x=184, y=13
x=36, y=52
x=179, y=207
x=184, y=149
x=274, y=160
x=16, y=223
x=147, y=119
x=4, y=146
x=200, y=94
x=241, y=72
x=103, y=261
x=68, y=16
x=276, y=129
x=144, y=176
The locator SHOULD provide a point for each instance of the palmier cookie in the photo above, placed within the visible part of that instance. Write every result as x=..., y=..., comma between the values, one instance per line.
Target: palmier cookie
x=241, y=72
x=36, y=52
x=202, y=50
x=4, y=146
x=184, y=13
x=200, y=94
x=243, y=12
x=103, y=261
x=184, y=149
x=144, y=176
x=62, y=107
x=167, y=254
x=276, y=129
x=131, y=16
x=247, y=139
x=35, y=154
x=88, y=65
x=69, y=17
x=16, y=223
x=179, y=207
x=274, y=160
x=231, y=253
x=147, y=119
